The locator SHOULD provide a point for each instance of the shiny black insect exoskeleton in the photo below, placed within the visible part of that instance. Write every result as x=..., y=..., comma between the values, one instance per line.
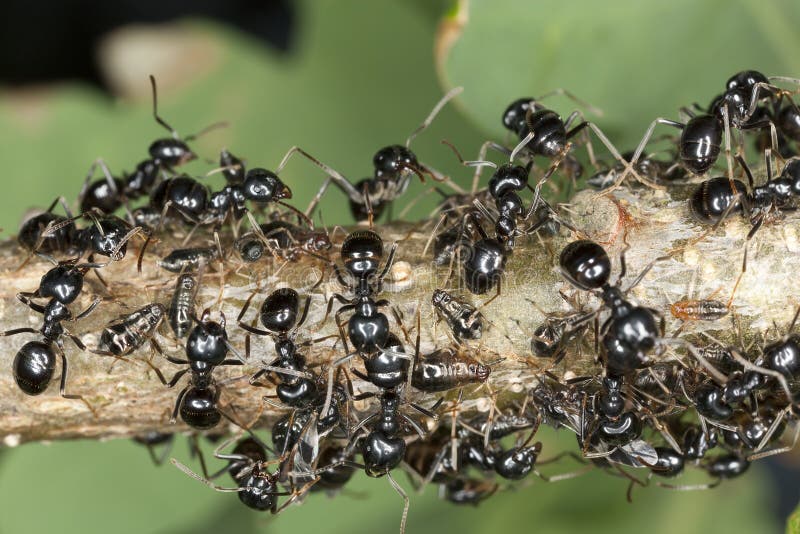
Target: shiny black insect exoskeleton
x=206, y=348
x=393, y=168
x=109, y=193
x=542, y=132
x=631, y=332
x=281, y=316
x=368, y=327
x=716, y=198
x=34, y=364
x=257, y=486
x=37, y=235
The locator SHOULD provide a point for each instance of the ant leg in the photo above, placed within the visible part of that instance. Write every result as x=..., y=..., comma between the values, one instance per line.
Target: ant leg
x=777, y=451
x=15, y=331
x=403, y=494
x=329, y=393
x=88, y=310
x=451, y=94
x=629, y=169
x=389, y=262
x=204, y=480
x=63, y=385
x=563, y=92
x=158, y=119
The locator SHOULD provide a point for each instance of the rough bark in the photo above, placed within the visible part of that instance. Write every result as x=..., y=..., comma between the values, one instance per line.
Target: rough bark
x=130, y=400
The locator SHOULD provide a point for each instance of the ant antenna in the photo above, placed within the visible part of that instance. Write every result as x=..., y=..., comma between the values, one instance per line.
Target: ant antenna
x=435, y=111
x=159, y=120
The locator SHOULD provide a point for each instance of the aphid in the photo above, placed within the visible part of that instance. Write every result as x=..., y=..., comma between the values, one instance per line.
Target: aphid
x=189, y=259
x=464, y=319
x=446, y=369
x=181, y=307
x=698, y=310
x=129, y=332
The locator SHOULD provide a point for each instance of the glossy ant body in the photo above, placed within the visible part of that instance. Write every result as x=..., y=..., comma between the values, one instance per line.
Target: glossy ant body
x=394, y=166
x=34, y=364
x=631, y=332
x=206, y=348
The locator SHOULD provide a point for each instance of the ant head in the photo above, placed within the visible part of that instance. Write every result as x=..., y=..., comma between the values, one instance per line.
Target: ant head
x=390, y=161
x=63, y=283
x=746, y=79
x=199, y=408
x=585, y=264
x=207, y=343
x=170, y=152
x=362, y=252
x=105, y=237
x=514, y=115
x=263, y=186
x=279, y=310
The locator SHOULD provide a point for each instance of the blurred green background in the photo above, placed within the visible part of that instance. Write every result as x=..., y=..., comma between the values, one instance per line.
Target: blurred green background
x=357, y=76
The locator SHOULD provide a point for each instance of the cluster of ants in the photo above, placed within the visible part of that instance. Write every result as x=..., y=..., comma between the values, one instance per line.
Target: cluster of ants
x=718, y=409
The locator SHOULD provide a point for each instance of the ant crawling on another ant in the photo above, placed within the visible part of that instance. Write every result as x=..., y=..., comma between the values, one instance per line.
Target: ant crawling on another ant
x=108, y=193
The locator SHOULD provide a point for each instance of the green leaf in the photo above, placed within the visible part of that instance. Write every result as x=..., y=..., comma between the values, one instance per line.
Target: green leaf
x=635, y=60
x=793, y=523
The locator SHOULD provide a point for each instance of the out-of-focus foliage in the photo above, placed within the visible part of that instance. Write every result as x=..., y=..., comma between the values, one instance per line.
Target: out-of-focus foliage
x=634, y=60
x=362, y=76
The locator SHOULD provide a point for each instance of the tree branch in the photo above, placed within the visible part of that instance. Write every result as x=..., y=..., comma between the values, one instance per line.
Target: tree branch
x=129, y=399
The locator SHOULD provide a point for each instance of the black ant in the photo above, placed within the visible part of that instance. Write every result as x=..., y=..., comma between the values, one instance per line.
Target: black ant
x=631, y=332
x=394, y=167
x=34, y=364
x=542, y=132
x=701, y=137
x=109, y=193
x=368, y=327
x=49, y=233
x=281, y=316
x=256, y=486
x=206, y=348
